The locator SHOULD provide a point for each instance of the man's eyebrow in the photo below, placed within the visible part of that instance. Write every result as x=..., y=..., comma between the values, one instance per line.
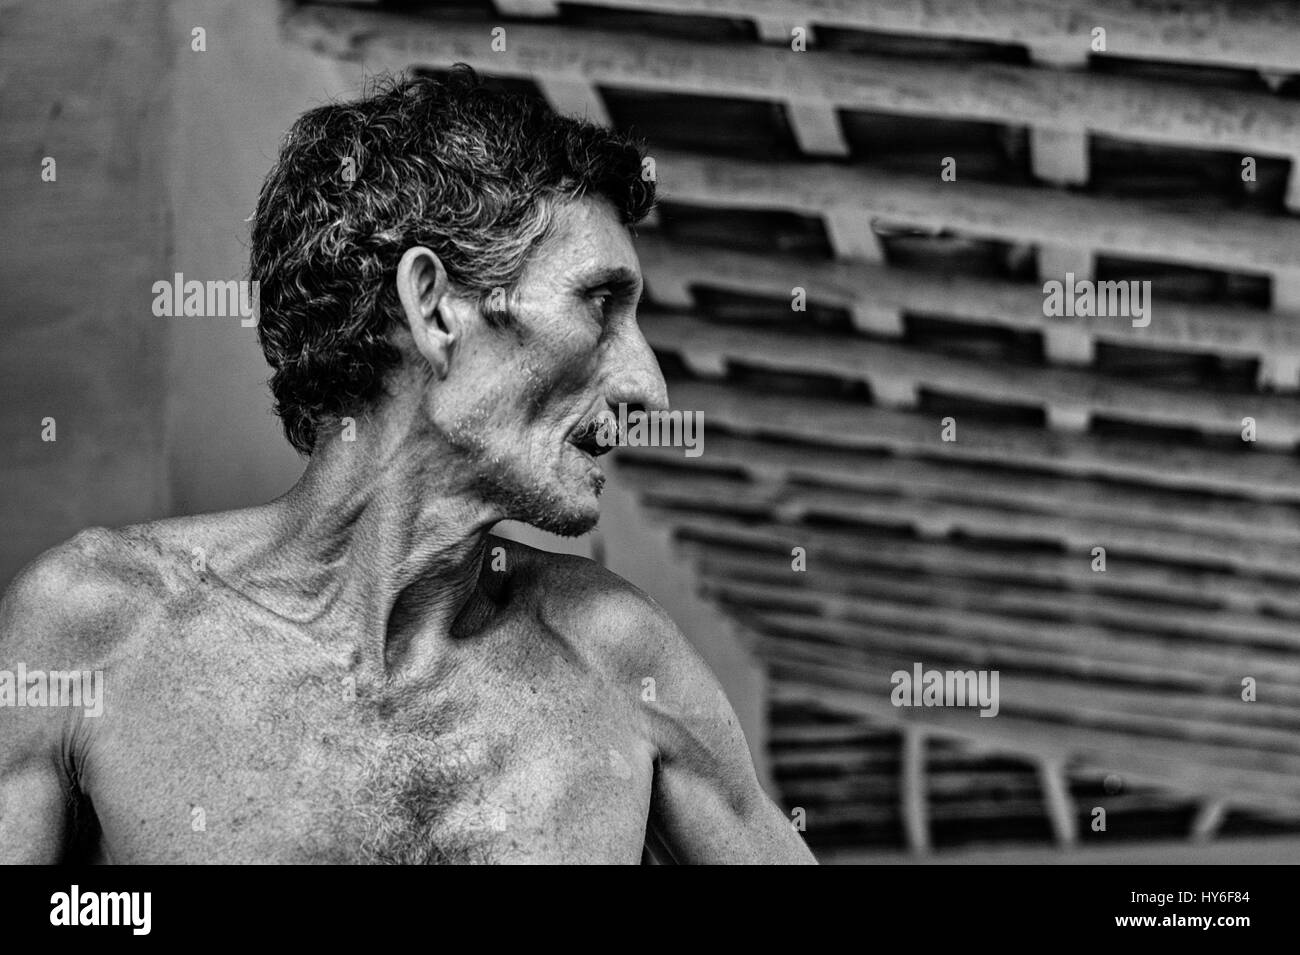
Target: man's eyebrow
x=618, y=276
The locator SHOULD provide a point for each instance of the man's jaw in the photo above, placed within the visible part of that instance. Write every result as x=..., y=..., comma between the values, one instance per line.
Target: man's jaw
x=561, y=495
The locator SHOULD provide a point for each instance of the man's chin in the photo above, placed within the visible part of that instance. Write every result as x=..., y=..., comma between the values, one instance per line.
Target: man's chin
x=565, y=522
x=568, y=507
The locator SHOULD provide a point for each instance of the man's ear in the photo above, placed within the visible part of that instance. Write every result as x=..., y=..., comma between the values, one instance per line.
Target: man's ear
x=422, y=285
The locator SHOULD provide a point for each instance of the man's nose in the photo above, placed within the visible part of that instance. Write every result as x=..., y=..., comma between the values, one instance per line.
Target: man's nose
x=638, y=382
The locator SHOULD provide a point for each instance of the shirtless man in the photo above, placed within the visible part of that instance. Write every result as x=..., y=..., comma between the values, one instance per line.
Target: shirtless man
x=359, y=671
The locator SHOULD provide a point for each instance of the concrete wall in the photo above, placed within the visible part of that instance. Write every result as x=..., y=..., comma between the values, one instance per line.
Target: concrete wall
x=77, y=258
x=230, y=108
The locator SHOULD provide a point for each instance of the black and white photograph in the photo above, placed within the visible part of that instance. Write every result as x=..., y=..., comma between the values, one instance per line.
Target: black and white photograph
x=736, y=432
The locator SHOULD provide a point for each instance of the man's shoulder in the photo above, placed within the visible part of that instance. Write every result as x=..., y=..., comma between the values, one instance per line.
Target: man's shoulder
x=76, y=600
x=629, y=637
x=577, y=596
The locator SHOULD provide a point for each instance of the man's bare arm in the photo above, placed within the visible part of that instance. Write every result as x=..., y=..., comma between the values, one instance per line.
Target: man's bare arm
x=38, y=615
x=708, y=806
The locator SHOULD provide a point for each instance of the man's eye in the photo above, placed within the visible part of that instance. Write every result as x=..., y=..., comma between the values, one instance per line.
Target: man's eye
x=600, y=302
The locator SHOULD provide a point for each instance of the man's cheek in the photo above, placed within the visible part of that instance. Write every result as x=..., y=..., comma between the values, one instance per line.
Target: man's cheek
x=572, y=355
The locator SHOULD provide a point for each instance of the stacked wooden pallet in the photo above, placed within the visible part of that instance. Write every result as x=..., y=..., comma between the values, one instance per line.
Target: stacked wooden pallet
x=924, y=302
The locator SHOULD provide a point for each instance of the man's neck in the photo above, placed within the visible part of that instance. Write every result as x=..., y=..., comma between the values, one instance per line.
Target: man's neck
x=382, y=547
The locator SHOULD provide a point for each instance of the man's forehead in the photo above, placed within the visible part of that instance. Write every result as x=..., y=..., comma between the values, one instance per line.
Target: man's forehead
x=589, y=245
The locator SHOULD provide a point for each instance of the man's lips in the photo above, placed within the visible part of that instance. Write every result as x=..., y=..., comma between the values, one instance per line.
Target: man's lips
x=586, y=439
x=590, y=446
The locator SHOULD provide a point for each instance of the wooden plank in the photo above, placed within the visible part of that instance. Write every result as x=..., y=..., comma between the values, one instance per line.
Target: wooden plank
x=1127, y=107
x=993, y=586
x=974, y=784
x=1145, y=714
x=1073, y=54
x=527, y=8
x=1208, y=819
x=844, y=757
x=1177, y=325
x=1055, y=260
x=776, y=29
x=1263, y=33
x=1278, y=372
x=901, y=648
x=1145, y=595
x=860, y=810
x=1060, y=807
x=817, y=129
x=1189, y=232
x=1122, y=541
x=859, y=814
x=1249, y=778
x=892, y=606
x=973, y=789
x=885, y=630
x=1132, y=616
x=913, y=799
x=955, y=481
x=890, y=366
x=1262, y=850
x=1286, y=287
x=881, y=758
x=1059, y=156
x=851, y=235
x=575, y=98
x=820, y=791
x=1259, y=475
x=861, y=547
x=786, y=733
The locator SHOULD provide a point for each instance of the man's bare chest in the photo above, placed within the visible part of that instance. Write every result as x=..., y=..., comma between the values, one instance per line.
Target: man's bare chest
x=248, y=745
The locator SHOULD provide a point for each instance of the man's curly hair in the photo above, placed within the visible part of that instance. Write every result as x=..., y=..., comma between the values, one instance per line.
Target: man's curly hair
x=471, y=172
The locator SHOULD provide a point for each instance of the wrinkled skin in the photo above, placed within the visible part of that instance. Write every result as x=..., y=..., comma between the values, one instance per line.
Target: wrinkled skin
x=358, y=671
